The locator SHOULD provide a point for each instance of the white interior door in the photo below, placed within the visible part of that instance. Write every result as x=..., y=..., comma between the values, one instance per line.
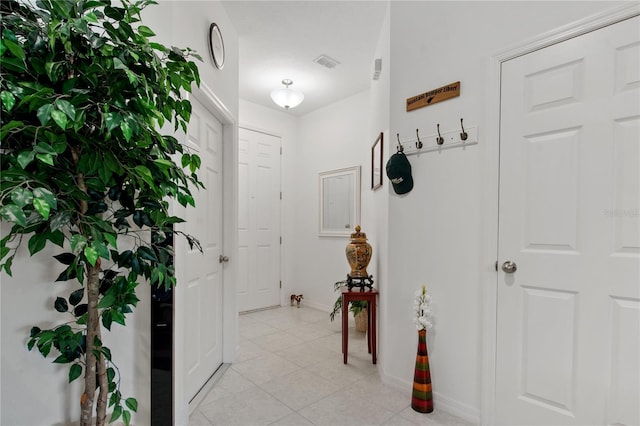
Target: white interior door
x=202, y=272
x=568, y=317
x=258, y=283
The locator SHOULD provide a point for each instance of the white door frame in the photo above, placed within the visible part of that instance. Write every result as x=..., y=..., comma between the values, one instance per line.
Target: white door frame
x=207, y=97
x=491, y=169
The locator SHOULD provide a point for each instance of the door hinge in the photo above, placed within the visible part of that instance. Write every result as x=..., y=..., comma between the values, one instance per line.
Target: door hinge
x=280, y=195
x=280, y=239
x=280, y=150
x=496, y=265
x=280, y=284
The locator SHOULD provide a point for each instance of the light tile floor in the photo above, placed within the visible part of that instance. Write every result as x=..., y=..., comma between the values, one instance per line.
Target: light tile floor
x=289, y=372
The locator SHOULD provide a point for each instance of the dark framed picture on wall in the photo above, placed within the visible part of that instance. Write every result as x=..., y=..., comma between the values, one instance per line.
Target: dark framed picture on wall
x=376, y=163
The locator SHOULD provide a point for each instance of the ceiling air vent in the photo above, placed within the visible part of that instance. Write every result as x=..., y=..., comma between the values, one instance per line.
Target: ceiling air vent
x=326, y=61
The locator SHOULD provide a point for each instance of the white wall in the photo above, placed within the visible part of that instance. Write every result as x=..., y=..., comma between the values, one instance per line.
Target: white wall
x=191, y=20
x=378, y=205
x=340, y=135
x=34, y=391
x=337, y=136
x=435, y=231
x=332, y=137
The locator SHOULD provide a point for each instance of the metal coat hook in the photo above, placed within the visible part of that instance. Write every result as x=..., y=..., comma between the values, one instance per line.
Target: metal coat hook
x=418, y=142
x=439, y=139
x=464, y=134
x=400, y=148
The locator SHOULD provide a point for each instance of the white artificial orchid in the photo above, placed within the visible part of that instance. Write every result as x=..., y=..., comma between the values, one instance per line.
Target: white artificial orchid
x=422, y=308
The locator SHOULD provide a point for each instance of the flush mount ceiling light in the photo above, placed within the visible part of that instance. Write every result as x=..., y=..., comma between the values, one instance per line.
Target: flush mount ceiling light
x=287, y=97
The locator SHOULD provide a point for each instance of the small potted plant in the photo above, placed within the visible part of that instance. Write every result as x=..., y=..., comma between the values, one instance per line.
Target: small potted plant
x=358, y=307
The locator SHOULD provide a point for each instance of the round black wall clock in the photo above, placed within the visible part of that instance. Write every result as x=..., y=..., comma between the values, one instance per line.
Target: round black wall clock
x=216, y=45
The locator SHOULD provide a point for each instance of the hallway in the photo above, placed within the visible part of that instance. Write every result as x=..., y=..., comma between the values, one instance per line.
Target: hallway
x=289, y=371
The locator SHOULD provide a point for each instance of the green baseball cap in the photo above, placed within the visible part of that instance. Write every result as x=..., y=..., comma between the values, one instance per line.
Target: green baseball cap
x=399, y=173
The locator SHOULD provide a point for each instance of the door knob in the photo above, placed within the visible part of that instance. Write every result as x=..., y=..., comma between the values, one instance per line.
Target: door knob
x=509, y=267
x=223, y=259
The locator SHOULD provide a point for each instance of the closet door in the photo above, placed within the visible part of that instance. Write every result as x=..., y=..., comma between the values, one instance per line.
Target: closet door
x=200, y=275
x=569, y=239
x=258, y=221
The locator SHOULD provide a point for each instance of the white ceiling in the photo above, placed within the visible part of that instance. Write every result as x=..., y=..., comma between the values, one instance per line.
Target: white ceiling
x=280, y=39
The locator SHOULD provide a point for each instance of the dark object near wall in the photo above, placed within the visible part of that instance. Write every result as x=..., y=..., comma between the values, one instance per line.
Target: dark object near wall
x=162, y=352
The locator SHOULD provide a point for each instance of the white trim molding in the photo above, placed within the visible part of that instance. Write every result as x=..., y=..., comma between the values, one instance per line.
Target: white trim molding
x=440, y=401
x=181, y=404
x=491, y=165
x=569, y=31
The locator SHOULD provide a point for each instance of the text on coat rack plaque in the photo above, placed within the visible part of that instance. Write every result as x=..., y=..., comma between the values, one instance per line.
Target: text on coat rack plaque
x=434, y=96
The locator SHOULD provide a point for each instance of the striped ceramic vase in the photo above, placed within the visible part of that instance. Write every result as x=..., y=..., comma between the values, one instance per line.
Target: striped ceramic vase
x=422, y=398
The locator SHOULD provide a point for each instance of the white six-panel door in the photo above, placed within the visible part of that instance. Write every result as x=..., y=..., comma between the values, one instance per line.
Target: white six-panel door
x=258, y=283
x=202, y=273
x=569, y=316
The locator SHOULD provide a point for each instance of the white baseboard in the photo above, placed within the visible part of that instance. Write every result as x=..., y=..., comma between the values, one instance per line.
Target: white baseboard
x=317, y=306
x=206, y=388
x=440, y=401
x=457, y=408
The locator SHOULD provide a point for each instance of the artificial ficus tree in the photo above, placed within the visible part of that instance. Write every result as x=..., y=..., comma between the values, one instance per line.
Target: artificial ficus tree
x=84, y=167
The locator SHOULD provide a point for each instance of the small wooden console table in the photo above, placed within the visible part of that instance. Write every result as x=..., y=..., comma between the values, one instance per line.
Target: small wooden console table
x=370, y=297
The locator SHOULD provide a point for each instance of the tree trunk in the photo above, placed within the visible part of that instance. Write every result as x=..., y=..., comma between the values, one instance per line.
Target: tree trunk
x=96, y=366
x=95, y=370
x=101, y=412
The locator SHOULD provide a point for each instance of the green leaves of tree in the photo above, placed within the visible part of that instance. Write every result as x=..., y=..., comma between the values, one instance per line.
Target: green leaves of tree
x=78, y=242
x=68, y=342
x=91, y=254
x=24, y=200
x=145, y=31
x=75, y=371
x=44, y=113
x=42, y=207
x=61, y=305
x=112, y=120
x=118, y=299
x=60, y=111
x=8, y=100
x=84, y=93
x=76, y=296
x=118, y=410
x=11, y=43
x=59, y=118
x=14, y=214
x=45, y=197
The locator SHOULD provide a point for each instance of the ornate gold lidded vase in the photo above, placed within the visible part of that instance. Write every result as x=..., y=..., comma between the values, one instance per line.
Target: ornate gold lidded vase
x=358, y=254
